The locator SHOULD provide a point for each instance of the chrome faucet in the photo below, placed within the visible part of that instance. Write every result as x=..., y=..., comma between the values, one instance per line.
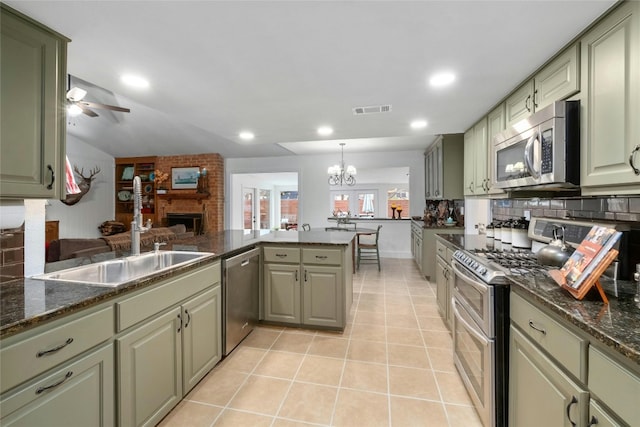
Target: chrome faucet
x=136, y=223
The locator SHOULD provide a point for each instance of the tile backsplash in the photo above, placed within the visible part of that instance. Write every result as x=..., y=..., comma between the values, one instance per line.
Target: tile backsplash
x=626, y=209
x=11, y=254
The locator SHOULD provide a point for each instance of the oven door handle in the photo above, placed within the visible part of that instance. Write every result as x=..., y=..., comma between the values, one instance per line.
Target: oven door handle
x=468, y=326
x=528, y=155
x=467, y=277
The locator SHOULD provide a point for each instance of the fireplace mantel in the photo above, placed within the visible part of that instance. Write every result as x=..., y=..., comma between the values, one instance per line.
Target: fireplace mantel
x=190, y=196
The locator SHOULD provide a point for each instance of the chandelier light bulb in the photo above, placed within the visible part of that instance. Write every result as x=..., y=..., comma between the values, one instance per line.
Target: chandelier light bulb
x=339, y=175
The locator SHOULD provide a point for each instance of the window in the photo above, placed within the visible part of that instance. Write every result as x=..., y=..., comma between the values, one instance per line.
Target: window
x=288, y=209
x=361, y=203
x=397, y=202
x=265, y=209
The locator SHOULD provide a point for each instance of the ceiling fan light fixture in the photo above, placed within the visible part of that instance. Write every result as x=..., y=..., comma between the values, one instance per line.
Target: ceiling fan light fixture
x=74, y=110
x=135, y=81
x=76, y=94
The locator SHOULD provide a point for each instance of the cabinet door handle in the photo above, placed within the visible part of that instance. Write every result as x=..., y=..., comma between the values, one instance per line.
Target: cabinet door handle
x=296, y=275
x=49, y=387
x=188, y=318
x=55, y=349
x=631, y=158
x=593, y=421
x=526, y=103
x=533, y=326
x=53, y=177
x=535, y=98
x=179, y=323
x=305, y=275
x=573, y=401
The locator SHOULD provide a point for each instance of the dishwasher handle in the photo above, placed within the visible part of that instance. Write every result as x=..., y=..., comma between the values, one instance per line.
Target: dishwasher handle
x=242, y=259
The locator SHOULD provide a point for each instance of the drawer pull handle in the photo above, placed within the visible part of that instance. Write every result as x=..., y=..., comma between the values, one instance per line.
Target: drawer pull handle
x=533, y=326
x=321, y=257
x=281, y=255
x=49, y=387
x=55, y=349
x=573, y=401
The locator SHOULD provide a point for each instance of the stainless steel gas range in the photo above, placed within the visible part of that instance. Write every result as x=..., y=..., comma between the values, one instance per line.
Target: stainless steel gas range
x=481, y=311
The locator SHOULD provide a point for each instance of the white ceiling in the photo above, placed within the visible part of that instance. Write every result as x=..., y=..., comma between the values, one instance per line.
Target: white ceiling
x=283, y=68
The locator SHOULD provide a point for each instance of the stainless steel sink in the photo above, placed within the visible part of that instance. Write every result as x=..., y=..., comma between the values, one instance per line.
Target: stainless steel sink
x=122, y=270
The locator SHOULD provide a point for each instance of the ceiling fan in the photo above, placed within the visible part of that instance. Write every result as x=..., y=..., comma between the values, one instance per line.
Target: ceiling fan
x=75, y=97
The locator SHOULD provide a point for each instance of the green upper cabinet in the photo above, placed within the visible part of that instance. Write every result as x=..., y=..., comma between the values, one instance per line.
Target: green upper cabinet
x=496, y=123
x=443, y=176
x=556, y=81
x=32, y=93
x=476, y=178
x=610, y=93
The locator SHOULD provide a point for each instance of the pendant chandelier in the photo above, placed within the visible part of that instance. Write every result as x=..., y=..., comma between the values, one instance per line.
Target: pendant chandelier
x=339, y=175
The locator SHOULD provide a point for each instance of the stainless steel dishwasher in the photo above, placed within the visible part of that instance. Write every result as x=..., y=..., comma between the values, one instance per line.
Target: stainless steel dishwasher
x=240, y=287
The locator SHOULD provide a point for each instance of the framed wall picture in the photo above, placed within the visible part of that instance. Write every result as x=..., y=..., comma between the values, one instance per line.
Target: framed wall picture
x=184, y=178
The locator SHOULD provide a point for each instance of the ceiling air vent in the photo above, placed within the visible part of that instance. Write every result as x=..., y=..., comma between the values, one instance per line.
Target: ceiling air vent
x=371, y=109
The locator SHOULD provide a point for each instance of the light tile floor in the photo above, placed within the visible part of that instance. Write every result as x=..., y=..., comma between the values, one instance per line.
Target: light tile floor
x=392, y=366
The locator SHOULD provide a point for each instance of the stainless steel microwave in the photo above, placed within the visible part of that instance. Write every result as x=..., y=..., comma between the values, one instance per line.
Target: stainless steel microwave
x=540, y=152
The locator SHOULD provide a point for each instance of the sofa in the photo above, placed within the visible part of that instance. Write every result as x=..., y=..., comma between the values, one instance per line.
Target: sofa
x=64, y=249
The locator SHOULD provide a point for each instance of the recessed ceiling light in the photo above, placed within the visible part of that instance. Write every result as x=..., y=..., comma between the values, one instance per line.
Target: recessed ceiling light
x=325, y=130
x=442, y=79
x=418, y=124
x=135, y=81
x=246, y=135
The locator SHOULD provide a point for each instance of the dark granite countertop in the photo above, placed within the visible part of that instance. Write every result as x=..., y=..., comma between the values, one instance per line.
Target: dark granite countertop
x=616, y=325
x=422, y=224
x=29, y=302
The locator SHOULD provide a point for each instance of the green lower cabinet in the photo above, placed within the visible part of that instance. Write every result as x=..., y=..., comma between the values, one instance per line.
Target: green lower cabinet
x=78, y=394
x=598, y=416
x=201, y=336
x=540, y=394
x=150, y=371
x=322, y=296
x=442, y=289
x=282, y=293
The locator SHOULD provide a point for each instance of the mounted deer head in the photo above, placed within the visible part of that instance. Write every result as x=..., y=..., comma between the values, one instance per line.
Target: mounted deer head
x=84, y=185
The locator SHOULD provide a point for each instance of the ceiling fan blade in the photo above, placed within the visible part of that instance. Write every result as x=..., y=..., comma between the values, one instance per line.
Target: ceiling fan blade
x=86, y=111
x=104, y=106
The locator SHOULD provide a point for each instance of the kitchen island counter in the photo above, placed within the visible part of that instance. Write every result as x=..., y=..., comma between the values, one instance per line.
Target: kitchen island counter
x=27, y=303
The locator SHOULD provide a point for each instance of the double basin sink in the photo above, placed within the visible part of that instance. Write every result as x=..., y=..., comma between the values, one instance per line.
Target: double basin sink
x=122, y=270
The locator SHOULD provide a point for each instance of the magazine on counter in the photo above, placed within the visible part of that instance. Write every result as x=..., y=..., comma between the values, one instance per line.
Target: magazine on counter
x=589, y=254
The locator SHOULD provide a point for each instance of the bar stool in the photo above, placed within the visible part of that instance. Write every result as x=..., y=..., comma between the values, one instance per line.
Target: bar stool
x=367, y=251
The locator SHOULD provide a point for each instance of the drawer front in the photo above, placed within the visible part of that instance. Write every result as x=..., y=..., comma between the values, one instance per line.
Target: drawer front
x=562, y=344
x=43, y=351
x=280, y=254
x=321, y=256
x=441, y=249
x=614, y=385
x=164, y=295
x=450, y=255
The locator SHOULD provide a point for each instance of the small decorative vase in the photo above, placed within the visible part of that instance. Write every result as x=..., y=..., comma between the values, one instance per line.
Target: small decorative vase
x=399, y=213
x=393, y=213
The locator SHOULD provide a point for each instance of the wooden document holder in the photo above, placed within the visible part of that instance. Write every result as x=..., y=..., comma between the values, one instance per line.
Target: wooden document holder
x=589, y=282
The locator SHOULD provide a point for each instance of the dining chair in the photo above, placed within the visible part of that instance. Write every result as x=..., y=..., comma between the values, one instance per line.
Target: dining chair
x=368, y=251
x=306, y=227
